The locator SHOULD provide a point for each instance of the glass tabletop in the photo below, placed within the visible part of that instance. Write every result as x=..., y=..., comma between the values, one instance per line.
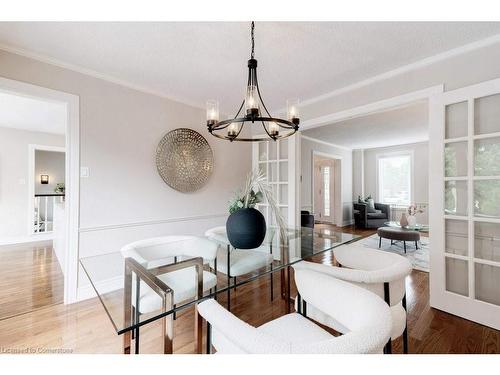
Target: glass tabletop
x=417, y=227
x=113, y=277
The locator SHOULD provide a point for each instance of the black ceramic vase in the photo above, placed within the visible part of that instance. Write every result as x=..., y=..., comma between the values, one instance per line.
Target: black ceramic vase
x=246, y=228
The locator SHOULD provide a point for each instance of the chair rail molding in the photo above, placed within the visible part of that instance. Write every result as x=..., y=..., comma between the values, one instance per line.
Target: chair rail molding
x=152, y=222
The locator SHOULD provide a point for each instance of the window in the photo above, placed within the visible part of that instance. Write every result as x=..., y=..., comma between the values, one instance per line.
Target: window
x=326, y=189
x=394, y=179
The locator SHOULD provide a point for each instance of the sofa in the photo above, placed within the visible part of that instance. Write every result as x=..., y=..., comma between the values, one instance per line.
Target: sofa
x=364, y=217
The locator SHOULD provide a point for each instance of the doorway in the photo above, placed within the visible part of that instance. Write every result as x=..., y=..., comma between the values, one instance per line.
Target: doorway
x=37, y=221
x=326, y=188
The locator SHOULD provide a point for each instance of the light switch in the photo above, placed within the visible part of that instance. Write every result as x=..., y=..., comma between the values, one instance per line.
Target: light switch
x=84, y=172
x=22, y=181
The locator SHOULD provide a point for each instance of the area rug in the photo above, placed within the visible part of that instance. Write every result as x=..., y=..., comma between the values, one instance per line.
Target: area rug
x=419, y=259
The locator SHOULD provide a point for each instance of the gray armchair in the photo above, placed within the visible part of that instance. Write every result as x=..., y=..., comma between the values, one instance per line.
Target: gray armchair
x=365, y=219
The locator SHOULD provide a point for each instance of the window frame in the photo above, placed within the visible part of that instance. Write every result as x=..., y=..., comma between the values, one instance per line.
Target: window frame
x=388, y=155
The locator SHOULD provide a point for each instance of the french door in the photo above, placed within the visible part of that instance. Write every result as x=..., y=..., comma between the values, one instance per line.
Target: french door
x=464, y=202
x=277, y=161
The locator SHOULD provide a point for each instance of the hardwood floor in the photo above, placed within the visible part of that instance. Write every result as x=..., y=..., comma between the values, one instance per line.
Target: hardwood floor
x=85, y=328
x=30, y=278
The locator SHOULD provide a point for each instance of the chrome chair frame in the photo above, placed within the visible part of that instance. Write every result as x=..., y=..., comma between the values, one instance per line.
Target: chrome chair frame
x=131, y=314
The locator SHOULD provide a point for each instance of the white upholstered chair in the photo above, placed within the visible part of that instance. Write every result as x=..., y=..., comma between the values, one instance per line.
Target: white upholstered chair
x=380, y=272
x=366, y=316
x=154, y=251
x=241, y=262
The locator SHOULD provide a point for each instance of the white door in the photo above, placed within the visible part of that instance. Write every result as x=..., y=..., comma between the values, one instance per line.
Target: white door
x=323, y=187
x=464, y=202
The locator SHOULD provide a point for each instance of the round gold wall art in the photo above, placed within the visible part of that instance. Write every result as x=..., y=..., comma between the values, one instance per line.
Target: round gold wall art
x=184, y=160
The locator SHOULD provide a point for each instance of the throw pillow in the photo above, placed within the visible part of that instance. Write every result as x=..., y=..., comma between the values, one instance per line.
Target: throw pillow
x=371, y=203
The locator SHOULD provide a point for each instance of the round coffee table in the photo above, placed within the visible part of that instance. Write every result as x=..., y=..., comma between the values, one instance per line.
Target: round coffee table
x=398, y=234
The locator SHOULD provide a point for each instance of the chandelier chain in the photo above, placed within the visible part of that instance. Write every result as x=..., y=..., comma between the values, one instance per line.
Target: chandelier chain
x=253, y=40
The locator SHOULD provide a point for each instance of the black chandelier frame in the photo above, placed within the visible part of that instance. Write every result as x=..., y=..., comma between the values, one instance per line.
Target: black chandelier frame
x=254, y=116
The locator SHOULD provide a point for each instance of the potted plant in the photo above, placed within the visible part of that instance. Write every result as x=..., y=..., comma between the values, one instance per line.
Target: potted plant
x=246, y=226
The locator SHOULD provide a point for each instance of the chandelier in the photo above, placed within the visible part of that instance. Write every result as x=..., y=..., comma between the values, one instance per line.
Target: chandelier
x=255, y=112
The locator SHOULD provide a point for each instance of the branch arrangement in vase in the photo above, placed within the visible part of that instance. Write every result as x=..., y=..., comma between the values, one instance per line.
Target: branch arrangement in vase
x=256, y=189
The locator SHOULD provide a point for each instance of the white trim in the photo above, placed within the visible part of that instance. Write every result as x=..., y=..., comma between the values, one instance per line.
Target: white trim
x=151, y=222
x=26, y=239
x=72, y=103
x=404, y=69
x=31, y=180
x=325, y=143
x=105, y=286
x=95, y=74
x=375, y=107
x=385, y=155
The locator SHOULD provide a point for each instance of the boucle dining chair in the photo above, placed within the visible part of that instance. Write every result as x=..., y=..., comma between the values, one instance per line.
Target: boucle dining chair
x=159, y=251
x=366, y=316
x=234, y=262
x=380, y=272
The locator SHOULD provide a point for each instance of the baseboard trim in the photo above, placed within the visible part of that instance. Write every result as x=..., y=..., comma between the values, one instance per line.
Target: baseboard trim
x=152, y=222
x=347, y=222
x=87, y=291
x=26, y=239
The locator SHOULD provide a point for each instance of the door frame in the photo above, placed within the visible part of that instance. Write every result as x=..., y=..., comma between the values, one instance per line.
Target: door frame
x=72, y=171
x=394, y=102
x=463, y=306
x=337, y=203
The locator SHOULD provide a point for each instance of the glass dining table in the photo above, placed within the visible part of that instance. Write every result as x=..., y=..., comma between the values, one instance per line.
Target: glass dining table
x=116, y=280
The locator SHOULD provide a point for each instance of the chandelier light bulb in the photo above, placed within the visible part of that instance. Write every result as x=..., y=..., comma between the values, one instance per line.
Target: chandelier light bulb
x=251, y=102
x=212, y=112
x=232, y=130
x=292, y=106
x=274, y=129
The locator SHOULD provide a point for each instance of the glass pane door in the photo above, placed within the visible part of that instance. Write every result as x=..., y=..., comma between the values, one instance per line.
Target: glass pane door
x=465, y=264
x=272, y=160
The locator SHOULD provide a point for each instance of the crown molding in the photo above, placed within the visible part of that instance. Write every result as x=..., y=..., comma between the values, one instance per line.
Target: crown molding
x=377, y=78
x=95, y=74
x=403, y=69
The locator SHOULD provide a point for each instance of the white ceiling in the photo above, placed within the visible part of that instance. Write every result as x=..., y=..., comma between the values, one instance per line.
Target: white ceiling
x=196, y=61
x=399, y=126
x=25, y=113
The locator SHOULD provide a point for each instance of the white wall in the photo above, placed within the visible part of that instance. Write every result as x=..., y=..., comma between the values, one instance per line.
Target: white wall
x=125, y=199
x=50, y=163
x=14, y=179
x=420, y=169
x=307, y=148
